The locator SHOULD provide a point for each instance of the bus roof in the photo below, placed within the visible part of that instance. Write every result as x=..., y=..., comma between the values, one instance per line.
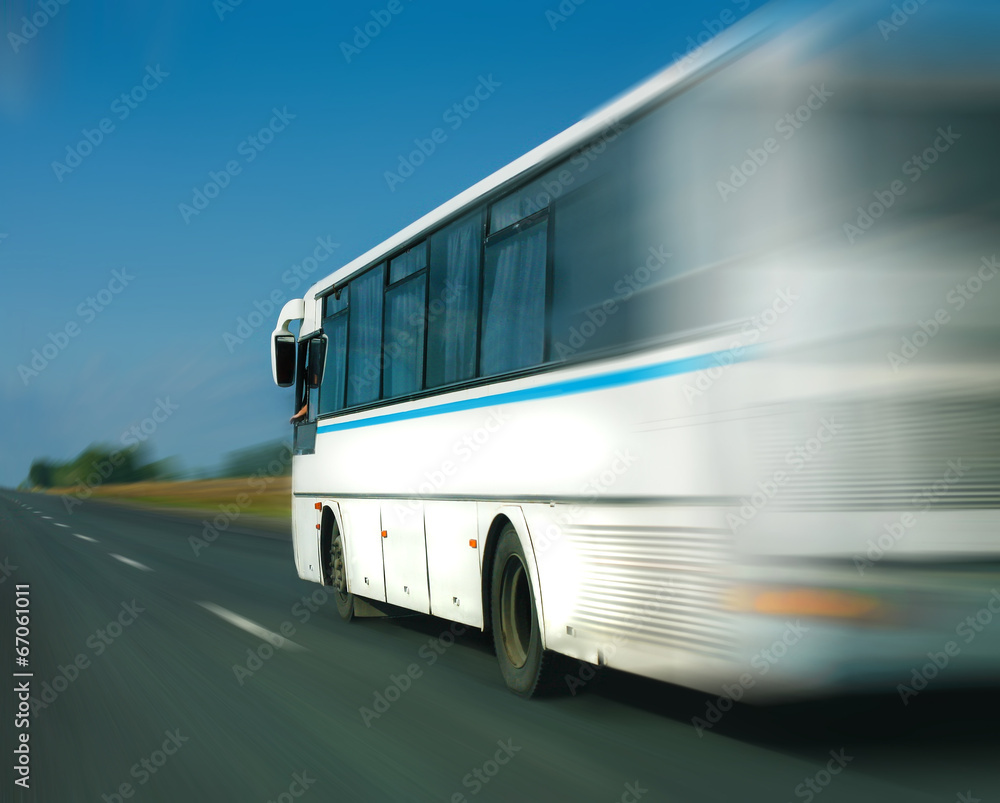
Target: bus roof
x=648, y=93
x=924, y=66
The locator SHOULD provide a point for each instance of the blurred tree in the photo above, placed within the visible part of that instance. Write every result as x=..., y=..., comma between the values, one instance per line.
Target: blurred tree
x=40, y=474
x=99, y=464
x=272, y=457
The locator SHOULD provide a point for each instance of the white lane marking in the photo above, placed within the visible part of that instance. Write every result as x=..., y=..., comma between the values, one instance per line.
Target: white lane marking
x=61, y=525
x=250, y=627
x=86, y=538
x=130, y=562
x=47, y=517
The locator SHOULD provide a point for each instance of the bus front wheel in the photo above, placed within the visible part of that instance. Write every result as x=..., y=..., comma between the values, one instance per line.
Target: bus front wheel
x=527, y=669
x=338, y=579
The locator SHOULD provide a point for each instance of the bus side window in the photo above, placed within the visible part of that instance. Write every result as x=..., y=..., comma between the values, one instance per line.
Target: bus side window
x=334, y=385
x=364, y=358
x=514, y=297
x=453, y=305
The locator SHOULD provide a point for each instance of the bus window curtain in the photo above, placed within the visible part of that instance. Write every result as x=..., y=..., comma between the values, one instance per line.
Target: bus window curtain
x=514, y=302
x=461, y=284
x=364, y=363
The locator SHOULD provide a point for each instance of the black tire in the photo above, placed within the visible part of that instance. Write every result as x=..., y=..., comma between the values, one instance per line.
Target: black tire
x=337, y=570
x=527, y=669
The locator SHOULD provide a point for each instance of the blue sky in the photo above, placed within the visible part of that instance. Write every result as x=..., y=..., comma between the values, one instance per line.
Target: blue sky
x=153, y=336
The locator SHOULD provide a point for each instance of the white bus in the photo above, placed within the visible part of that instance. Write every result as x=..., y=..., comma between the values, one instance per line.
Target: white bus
x=704, y=388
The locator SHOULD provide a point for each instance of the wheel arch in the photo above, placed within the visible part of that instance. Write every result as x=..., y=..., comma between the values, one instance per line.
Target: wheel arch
x=513, y=515
x=330, y=523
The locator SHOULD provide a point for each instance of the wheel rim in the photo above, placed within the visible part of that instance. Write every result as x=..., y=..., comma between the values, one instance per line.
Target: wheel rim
x=338, y=575
x=515, y=611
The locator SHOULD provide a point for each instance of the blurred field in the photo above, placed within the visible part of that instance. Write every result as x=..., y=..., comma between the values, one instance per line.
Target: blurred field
x=260, y=496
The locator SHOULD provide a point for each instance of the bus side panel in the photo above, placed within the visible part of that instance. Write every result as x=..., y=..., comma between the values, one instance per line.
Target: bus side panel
x=405, y=555
x=363, y=546
x=453, y=561
x=641, y=588
x=305, y=539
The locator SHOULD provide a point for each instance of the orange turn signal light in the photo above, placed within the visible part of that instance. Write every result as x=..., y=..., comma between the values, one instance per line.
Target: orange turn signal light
x=473, y=543
x=818, y=602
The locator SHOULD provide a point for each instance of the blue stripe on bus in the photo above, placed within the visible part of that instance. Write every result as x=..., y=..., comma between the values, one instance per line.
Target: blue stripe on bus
x=567, y=387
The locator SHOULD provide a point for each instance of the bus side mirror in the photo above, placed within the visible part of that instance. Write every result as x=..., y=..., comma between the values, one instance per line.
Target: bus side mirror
x=317, y=360
x=283, y=343
x=283, y=360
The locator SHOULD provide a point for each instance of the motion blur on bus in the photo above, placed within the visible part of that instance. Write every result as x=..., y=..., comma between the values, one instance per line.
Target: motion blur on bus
x=705, y=388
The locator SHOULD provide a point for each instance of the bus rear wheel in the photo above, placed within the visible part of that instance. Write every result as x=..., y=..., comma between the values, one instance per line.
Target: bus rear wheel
x=527, y=669
x=338, y=579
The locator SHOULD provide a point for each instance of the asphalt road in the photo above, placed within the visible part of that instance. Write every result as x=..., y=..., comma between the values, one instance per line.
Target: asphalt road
x=158, y=713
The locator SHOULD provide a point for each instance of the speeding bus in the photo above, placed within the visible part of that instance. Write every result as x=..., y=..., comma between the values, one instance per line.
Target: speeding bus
x=704, y=388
